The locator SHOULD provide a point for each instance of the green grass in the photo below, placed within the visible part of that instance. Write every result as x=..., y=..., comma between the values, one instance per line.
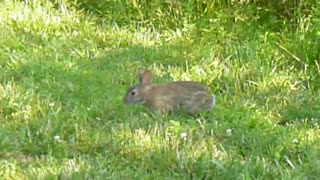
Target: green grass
x=64, y=74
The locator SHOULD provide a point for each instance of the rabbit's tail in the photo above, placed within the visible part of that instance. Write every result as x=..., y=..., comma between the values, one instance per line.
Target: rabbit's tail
x=212, y=102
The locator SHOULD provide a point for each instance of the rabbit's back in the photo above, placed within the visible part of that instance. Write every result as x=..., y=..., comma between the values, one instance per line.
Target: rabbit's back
x=192, y=97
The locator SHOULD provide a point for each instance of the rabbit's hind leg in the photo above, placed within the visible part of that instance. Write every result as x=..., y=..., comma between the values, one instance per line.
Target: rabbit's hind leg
x=200, y=102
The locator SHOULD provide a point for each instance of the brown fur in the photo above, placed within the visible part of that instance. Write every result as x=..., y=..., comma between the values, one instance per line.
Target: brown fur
x=191, y=97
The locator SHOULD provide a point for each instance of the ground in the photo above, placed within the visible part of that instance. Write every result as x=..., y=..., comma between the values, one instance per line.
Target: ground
x=64, y=73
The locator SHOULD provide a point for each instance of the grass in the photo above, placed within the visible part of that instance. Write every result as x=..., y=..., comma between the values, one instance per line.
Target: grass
x=64, y=74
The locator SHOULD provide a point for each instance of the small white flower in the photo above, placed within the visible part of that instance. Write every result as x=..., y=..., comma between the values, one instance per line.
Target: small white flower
x=183, y=135
x=295, y=141
x=229, y=132
x=57, y=137
x=51, y=104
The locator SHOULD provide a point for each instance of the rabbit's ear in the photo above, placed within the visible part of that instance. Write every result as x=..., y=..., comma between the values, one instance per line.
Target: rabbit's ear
x=145, y=77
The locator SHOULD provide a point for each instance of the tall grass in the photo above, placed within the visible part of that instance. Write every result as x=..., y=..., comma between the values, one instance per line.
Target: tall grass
x=65, y=67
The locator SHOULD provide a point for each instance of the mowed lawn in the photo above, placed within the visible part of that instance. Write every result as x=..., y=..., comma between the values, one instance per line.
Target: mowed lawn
x=64, y=73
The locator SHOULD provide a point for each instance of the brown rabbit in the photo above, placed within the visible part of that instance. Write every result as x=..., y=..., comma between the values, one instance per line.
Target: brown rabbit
x=191, y=97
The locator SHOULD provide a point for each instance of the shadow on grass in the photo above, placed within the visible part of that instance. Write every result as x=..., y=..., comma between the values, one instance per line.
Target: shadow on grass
x=308, y=111
x=85, y=92
x=91, y=119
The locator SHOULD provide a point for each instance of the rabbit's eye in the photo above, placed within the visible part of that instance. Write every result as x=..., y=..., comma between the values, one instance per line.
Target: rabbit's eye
x=133, y=93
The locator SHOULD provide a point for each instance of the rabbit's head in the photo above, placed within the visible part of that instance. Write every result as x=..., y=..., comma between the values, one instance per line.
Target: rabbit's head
x=134, y=94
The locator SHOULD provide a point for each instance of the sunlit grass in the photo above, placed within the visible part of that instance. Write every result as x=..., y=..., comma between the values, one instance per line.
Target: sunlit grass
x=64, y=74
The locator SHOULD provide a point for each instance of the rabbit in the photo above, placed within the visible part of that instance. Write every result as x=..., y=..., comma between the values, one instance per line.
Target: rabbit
x=191, y=97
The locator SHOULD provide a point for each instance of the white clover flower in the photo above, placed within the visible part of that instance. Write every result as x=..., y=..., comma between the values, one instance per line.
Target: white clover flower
x=184, y=135
x=295, y=141
x=57, y=137
x=229, y=132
